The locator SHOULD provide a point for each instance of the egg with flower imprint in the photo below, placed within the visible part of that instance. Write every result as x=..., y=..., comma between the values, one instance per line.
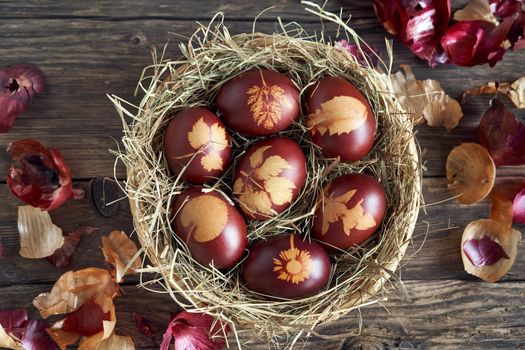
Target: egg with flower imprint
x=258, y=102
x=213, y=230
x=197, y=145
x=286, y=266
x=349, y=211
x=340, y=119
x=269, y=177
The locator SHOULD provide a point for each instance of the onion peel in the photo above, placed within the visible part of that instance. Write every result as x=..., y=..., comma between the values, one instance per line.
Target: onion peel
x=503, y=134
x=39, y=237
x=518, y=207
x=121, y=252
x=501, y=208
x=425, y=100
x=74, y=288
x=488, y=249
x=476, y=10
x=42, y=178
x=470, y=173
x=418, y=24
x=471, y=43
x=18, y=85
x=63, y=255
x=20, y=333
x=515, y=91
x=194, y=330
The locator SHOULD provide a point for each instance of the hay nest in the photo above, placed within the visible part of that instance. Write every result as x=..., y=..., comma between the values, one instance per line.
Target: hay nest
x=210, y=58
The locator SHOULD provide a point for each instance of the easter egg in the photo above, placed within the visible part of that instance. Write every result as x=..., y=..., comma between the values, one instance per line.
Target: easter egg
x=340, y=119
x=287, y=267
x=258, y=102
x=213, y=230
x=269, y=177
x=350, y=210
x=197, y=144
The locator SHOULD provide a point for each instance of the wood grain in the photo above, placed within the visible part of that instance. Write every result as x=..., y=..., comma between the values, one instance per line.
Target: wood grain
x=445, y=314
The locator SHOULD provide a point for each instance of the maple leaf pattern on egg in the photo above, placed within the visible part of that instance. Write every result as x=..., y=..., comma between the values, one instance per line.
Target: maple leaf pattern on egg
x=341, y=114
x=267, y=186
x=266, y=103
x=336, y=209
x=210, y=141
x=205, y=216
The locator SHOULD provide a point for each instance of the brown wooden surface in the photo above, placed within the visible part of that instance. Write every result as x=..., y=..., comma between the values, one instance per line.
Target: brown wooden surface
x=90, y=48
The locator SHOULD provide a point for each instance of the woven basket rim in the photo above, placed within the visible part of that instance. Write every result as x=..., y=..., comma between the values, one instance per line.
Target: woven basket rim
x=357, y=299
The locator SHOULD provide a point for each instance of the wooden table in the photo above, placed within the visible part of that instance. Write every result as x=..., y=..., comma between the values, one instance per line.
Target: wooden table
x=90, y=48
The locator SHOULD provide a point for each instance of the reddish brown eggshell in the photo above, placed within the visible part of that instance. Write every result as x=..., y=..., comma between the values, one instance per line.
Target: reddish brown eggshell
x=340, y=119
x=196, y=138
x=258, y=102
x=214, y=230
x=269, y=177
x=286, y=267
x=350, y=210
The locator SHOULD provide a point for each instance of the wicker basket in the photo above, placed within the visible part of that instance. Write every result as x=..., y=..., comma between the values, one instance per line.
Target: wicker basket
x=211, y=57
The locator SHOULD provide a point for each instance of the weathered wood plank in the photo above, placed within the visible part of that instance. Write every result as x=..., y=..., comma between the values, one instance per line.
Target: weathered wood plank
x=239, y=10
x=85, y=59
x=438, y=258
x=438, y=314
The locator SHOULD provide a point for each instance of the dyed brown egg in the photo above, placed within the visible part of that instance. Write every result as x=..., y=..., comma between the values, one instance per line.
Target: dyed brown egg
x=258, y=102
x=286, y=267
x=269, y=177
x=350, y=210
x=214, y=230
x=340, y=119
x=197, y=139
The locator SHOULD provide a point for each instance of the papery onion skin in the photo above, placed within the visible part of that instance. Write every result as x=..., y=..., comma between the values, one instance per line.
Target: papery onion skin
x=29, y=334
x=43, y=178
x=13, y=321
x=485, y=260
x=86, y=320
x=194, y=331
x=418, y=24
x=502, y=134
x=508, y=8
x=471, y=43
x=518, y=207
x=36, y=337
x=18, y=86
x=484, y=251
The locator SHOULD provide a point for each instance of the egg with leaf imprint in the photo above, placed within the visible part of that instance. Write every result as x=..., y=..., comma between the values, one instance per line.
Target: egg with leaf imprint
x=197, y=145
x=258, y=102
x=211, y=227
x=340, y=119
x=349, y=211
x=286, y=266
x=269, y=177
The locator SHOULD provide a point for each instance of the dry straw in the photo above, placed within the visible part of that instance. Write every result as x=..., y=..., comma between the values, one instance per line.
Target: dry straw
x=210, y=58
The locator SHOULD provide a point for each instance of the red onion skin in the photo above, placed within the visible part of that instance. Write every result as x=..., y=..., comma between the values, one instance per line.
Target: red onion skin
x=420, y=25
x=42, y=178
x=502, y=134
x=471, y=43
x=18, y=85
x=194, y=331
x=484, y=251
x=518, y=207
